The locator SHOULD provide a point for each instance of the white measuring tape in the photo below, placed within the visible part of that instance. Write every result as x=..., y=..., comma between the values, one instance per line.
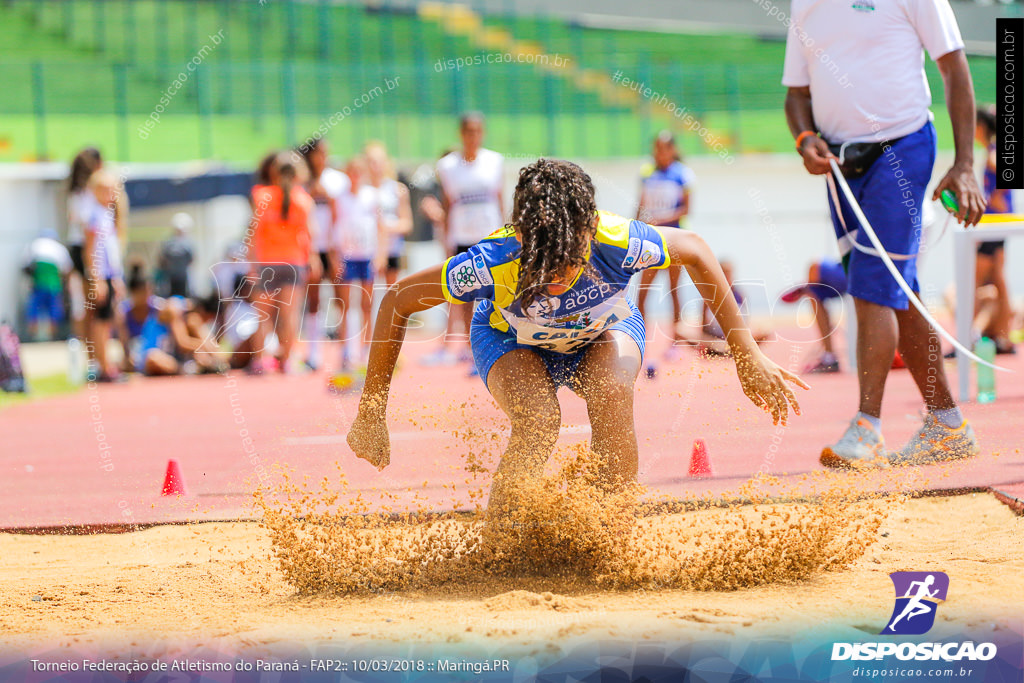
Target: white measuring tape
x=882, y=254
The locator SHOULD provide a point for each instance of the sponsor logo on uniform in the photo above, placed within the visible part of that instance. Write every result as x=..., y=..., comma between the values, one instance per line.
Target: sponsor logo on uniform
x=462, y=279
x=650, y=254
x=588, y=296
x=468, y=276
x=543, y=307
x=482, y=272
x=632, y=252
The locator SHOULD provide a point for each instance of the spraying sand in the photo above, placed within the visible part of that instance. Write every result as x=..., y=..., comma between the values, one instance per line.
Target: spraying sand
x=565, y=526
x=573, y=564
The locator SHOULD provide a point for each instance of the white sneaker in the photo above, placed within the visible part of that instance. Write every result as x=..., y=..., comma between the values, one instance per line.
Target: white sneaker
x=861, y=446
x=936, y=442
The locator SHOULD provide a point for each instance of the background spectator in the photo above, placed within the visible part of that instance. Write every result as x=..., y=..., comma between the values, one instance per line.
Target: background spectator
x=47, y=262
x=176, y=256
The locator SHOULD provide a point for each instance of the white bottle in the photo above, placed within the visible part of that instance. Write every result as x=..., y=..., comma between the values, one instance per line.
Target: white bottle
x=76, y=364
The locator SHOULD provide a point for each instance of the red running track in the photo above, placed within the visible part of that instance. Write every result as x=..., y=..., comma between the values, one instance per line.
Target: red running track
x=99, y=456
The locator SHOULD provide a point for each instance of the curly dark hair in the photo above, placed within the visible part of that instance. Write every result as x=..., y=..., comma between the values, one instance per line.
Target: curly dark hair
x=555, y=211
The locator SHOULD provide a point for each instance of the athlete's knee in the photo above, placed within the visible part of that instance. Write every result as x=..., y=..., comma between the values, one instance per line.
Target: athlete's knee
x=610, y=394
x=538, y=421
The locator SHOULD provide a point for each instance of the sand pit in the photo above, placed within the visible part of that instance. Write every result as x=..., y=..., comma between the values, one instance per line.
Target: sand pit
x=169, y=588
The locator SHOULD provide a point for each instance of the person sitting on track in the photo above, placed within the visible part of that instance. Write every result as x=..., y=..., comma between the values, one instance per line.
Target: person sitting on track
x=551, y=310
x=712, y=342
x=826, y=280
x=158, y=336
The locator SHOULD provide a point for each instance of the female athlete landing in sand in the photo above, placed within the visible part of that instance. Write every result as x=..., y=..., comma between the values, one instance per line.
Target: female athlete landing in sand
x=551, y=311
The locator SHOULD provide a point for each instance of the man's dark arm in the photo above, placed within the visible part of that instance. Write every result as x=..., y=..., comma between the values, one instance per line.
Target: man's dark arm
x=799, y=115
x=960, y=102
x=800, y=118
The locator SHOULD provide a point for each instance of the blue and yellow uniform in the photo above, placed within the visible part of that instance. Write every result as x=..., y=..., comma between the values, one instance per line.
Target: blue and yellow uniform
x=559, y=328
x=663, y=191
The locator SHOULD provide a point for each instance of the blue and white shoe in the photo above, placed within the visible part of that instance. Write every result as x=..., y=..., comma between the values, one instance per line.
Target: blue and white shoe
x=860, y=447
x=935, y=442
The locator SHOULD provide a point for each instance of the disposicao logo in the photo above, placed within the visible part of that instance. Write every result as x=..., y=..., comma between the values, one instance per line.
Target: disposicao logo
x=918, y=595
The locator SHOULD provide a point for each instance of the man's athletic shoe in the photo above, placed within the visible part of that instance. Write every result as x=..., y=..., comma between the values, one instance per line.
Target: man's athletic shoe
x=860, y=447
x=936, y=442
x=794, y=294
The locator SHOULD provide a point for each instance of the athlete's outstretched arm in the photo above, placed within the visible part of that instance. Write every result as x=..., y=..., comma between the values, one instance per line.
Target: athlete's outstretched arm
x=762, y=380
x=368, y=436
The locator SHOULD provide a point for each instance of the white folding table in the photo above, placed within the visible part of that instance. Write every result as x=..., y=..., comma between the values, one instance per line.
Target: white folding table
x=965, y=244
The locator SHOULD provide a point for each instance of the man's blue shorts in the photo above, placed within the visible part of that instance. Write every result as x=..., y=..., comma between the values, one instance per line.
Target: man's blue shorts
x=489, y=345
x=360, y=269
x=892, y=196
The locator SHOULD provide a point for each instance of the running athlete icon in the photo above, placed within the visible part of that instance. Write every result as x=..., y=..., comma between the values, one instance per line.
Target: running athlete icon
x=916, y=606
x=918, y=595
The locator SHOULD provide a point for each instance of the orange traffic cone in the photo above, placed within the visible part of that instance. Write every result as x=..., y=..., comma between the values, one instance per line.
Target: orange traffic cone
x=174, y=483
x=700, y=464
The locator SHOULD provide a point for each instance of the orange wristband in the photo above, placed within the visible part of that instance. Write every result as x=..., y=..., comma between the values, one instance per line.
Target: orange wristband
x=800, y=138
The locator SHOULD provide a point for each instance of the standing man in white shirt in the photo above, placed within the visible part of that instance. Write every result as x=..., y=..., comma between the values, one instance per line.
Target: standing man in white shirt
x=858, y=94
x=471, y=182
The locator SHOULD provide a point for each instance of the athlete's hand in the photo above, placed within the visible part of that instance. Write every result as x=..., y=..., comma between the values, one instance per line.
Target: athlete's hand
x=432, y=209
x=960, y=181
x=368, y=437
x=816, y=154
x=764, y=383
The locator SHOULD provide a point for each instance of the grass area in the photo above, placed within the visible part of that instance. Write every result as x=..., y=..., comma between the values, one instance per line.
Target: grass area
x=91, y=72
x=43, y=386
x=243, y=139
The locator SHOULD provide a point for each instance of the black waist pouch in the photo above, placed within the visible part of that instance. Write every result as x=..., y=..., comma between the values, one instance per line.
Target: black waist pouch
x=858, y=156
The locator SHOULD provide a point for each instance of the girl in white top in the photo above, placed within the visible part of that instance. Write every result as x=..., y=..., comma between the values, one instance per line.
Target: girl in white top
x=81, y=203
x=471, y=183
x=325, y=186
x=393, y=203
x=362, y=248
x=102, y=255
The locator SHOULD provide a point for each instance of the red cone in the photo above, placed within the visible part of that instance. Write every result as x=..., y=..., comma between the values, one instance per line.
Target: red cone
x=174, y=483
x=700, y=464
